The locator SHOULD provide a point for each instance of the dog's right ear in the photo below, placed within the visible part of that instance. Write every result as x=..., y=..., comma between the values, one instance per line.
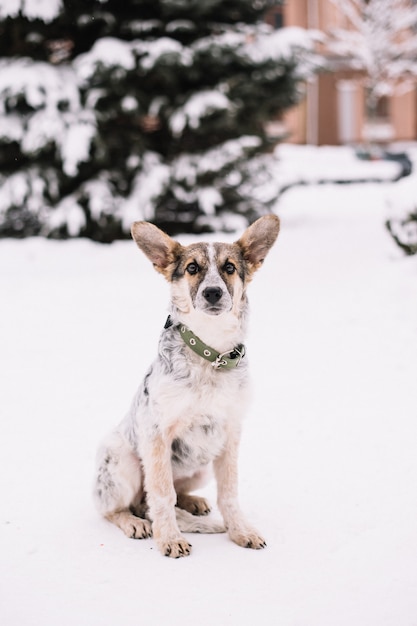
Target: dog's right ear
x=160, y=249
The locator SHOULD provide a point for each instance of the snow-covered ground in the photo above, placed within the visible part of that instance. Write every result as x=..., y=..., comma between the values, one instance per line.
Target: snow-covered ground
x=328, y=460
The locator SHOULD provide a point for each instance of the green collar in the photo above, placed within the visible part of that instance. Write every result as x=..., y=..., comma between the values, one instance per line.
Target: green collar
x=225, y=360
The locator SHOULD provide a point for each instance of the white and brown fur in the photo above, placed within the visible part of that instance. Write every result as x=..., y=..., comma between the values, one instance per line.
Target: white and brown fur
x=186, y=416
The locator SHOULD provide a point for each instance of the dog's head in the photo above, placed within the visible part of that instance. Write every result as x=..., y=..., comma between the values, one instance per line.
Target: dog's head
x=208, y=277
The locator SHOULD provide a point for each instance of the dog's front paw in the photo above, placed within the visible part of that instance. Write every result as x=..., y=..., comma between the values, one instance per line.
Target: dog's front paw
x=175, y=548
x=141, y=529
x=247, y=538
x=133, y=527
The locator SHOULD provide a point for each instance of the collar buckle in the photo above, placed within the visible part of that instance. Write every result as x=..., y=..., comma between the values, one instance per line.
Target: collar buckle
x=237, y=353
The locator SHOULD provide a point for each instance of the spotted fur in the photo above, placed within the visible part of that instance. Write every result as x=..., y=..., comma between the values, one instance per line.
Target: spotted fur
x=185, y=419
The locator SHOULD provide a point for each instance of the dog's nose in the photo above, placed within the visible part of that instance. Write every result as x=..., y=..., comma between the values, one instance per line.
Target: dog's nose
x=212, y=294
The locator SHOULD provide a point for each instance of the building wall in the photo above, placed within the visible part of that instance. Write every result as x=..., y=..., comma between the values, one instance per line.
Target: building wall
x=403, y=109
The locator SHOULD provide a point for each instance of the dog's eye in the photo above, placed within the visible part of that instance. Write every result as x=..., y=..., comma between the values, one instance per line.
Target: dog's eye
x=229, y=268
x=192, y=268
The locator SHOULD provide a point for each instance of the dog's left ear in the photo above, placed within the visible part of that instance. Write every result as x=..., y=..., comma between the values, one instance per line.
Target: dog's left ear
x=258, y=239
x=160, y=249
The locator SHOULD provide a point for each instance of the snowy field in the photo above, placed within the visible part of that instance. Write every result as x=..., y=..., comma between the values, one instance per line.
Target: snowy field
x=328, y=460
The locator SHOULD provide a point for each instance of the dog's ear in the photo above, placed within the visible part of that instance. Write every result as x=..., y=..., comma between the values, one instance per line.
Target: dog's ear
x=160, y=249
x=258, y=239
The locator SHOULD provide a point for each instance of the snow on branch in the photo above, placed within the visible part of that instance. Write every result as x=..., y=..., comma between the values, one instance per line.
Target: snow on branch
x=11, y=128
x=148, y=185
x=260, y=46
x=163, y=49
x=68, y=215
x=29, y=188
x=53, y=114
x=198, y=106
x=76, y=142
x=45, y=10
x=187, y=168
x=38, y=85
x=282, y=44
x=260, y=43
x=107, y=53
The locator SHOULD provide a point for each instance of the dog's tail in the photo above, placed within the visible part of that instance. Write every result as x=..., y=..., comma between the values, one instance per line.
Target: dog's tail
x=192, y=524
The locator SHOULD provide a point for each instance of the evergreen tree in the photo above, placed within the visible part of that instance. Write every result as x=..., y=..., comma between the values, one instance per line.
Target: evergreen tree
x=143, y=109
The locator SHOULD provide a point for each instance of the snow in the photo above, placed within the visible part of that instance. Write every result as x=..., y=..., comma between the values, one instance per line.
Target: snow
x=57, y=116
x=181, y=25
x=260, y=44
x=187, y=167
x=43, y=128
x=129, y=104
x=68, y=213
x=162, y=49
x=313, y=164
x=147, y=186
x=198, y=106
x=228, y=41
x=11, y=128
x=100, y=194
x=107, y=52
x=26, y=187
x=208, y=199
x=76, y=143
x=228, y=152
x=282, y=43
x=40, y=85
x=327, y=464
x=46, y=10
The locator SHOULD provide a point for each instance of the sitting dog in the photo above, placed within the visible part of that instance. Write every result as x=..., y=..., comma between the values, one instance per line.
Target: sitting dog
x=186, y=416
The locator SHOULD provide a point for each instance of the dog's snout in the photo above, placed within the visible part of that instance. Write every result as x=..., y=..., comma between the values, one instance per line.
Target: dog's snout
x=212, y=294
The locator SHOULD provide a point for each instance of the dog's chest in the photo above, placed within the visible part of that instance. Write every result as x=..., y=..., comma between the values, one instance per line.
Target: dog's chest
x=197, y=405
x=199, y=444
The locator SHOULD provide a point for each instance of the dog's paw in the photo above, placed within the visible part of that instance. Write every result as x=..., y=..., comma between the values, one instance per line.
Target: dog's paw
x=175, y=548
x=132, y=526
x=137, y=528
x=247, y=538
x=141, y=530
x=193, y=504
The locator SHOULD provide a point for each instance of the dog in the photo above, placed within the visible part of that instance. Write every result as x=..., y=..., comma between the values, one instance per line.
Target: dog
x=185, y=419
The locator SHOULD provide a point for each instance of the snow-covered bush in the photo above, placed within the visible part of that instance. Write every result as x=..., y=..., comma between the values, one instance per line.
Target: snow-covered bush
x=404, y=232
x=155, y=112
x=402, y=205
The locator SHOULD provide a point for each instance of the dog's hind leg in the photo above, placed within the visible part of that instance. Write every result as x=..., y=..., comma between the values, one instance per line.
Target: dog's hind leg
x=189, y=523
x=118, y=487
x=193, y=504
